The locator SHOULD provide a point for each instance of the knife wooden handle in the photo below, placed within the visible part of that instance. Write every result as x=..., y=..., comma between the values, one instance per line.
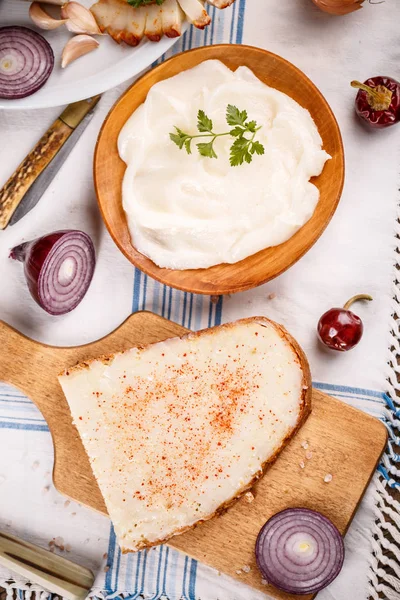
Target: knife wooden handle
x=36, y=161
x=51, y=571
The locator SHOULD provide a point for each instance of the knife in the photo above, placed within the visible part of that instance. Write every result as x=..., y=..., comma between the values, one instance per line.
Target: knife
x=28, y=183
x=53, y=572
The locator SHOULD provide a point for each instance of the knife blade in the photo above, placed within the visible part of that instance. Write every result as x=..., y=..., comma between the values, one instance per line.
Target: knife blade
x=28, y=183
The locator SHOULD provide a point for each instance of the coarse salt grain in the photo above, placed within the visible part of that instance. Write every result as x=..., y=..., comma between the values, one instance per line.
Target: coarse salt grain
x=264, y=582
x=35, y=465
x=246, y=569
x=302, y=464
x=58, y=540
x=328, y=478
x=46, y=489
x=308, y=455
x=249, y=497
x=304, y=445
x=238, y=572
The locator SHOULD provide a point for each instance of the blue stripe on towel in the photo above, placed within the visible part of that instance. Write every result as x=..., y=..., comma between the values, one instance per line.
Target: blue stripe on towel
x=110, y=558
x=24, y=426
x=350, y=391
x=192, y=582
x=185, y=570
x=165, y=572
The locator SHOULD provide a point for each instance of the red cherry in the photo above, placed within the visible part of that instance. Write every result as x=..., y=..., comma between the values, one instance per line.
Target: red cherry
x=339, y=328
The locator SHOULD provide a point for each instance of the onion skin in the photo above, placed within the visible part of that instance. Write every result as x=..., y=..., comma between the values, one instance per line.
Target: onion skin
x=299, y=551
x=33, y=254
x=43, y=259
x=339, y=7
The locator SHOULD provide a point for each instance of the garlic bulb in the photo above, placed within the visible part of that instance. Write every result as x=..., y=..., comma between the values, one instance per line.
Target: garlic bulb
x=42, y=19
x=339, y=7
x=76, y=47
x=79, y=19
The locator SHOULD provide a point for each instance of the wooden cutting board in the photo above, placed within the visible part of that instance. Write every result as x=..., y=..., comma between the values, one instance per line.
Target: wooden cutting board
x=336, y=436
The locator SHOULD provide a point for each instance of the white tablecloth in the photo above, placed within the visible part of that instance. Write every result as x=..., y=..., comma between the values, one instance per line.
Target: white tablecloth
x=356, y=254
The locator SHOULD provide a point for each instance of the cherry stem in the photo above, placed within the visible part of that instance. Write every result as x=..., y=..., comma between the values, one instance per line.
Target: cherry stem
x=356, y=299
x=380, y=98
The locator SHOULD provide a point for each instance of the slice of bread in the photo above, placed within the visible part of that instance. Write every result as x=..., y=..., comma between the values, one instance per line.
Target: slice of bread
x=178, y=430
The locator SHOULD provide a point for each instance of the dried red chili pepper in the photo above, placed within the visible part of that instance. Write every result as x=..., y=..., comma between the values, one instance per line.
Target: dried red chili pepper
x=378, y=101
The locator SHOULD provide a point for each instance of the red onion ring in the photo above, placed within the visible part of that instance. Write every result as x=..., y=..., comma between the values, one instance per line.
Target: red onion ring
x=26, y=62
x=58, y=269
x=299, y=551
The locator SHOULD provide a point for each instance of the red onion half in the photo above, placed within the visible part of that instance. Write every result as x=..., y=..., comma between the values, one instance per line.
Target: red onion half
x=58, y=269
x=299, y=551
x=26, y=62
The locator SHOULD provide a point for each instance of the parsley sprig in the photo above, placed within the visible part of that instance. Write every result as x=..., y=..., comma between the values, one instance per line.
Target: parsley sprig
x=242, y=149
x=139, y=3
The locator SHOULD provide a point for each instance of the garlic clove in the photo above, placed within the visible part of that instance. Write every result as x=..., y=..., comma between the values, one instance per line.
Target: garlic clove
x=79, y=19
x=42, y=19
x=76, y=47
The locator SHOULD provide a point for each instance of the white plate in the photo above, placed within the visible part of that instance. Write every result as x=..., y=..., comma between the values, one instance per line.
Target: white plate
x=104, y=68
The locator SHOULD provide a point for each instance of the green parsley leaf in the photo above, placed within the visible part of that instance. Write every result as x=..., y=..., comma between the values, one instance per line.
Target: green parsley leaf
x=203, y=122
x=188, y=147
x=237, y=131
x=207, y=149
x=235, y=117
x=179, y=138
x=251, y=126
x=240, y=152
x=257, y=148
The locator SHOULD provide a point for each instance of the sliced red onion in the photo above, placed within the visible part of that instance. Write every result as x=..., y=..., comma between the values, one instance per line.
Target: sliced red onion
x=58, y=269
x=26, y=62
x=299, y=551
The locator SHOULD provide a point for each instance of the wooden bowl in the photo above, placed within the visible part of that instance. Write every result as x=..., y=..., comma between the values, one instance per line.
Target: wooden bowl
x=266, y=264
